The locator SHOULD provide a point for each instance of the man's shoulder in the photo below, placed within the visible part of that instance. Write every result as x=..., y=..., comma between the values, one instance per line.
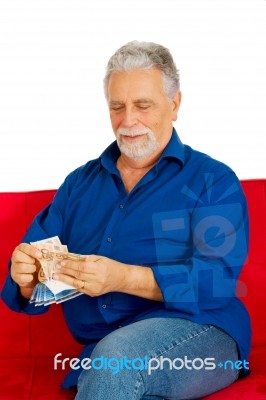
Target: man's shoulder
x=88, y=167
x=83, y=172
x=203, y=162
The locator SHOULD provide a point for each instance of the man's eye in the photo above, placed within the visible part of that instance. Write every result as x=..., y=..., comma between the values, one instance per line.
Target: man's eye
x=117, y=108
x=144, y=107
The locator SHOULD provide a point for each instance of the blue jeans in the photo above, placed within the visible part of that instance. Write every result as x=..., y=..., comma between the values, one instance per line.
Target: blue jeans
x=183, y=345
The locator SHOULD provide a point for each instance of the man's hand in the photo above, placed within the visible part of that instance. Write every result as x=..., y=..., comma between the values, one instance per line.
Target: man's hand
x=25, y=267
x=96, y=275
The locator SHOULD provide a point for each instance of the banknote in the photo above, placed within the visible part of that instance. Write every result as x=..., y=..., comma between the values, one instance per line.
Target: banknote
x=48, y=290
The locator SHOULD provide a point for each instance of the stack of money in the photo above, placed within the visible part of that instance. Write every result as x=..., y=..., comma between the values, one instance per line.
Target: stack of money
x=48, y=290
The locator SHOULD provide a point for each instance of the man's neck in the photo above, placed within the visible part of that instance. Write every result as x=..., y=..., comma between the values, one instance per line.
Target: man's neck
x=132, y=171
x=125, y=163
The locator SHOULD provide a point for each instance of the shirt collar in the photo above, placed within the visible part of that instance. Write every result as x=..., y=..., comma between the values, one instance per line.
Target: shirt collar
x=174, y=149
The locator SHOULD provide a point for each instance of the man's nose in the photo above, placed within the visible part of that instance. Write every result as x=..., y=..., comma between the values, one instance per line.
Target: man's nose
x=129, y=118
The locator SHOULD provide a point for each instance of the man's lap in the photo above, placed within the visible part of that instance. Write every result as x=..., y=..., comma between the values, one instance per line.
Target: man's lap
x=179, y=368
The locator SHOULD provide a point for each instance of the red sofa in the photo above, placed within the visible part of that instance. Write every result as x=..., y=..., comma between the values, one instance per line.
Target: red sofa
x=29, y=344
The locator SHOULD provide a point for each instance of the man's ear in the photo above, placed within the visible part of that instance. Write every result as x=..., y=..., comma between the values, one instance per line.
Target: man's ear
x=176, y=104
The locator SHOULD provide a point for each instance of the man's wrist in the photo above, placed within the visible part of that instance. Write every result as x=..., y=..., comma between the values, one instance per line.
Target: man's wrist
x=26, y=292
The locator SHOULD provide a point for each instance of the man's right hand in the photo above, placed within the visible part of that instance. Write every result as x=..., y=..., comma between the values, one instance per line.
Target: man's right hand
x=25, y=267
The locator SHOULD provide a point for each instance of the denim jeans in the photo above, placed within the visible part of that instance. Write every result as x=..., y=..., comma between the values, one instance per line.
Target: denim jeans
x=185, y=344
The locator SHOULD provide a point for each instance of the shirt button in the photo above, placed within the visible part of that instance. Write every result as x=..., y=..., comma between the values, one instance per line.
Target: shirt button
x=121, y=206
x=104, y=306
x=109, y=240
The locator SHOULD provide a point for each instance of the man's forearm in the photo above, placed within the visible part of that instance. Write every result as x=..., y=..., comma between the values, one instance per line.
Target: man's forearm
x=140, y=281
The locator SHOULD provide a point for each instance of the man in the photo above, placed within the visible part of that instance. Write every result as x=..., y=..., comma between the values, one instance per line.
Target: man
x=164, y=228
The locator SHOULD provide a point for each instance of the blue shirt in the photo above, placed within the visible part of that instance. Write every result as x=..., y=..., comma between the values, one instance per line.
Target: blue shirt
x=186, y=219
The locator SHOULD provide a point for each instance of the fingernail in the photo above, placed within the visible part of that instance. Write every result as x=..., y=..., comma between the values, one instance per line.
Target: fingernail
x=38, y=254
x=55, y=276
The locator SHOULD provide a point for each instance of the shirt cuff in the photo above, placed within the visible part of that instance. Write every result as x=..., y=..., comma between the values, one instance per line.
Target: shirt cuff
x=175, y=284
x=12, y=298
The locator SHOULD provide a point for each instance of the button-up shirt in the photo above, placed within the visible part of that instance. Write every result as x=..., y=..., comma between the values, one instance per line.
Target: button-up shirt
x=186, y=219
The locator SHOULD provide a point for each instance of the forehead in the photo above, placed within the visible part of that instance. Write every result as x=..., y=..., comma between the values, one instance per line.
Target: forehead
x=135, y=84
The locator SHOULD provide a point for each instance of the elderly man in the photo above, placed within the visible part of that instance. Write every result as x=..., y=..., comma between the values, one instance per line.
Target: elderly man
x=164, y=231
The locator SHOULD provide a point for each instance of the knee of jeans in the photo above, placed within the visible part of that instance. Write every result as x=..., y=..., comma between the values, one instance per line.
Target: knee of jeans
x=112, y=345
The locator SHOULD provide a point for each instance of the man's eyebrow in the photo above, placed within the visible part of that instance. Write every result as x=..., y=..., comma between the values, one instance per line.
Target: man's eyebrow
x=115, y=103
x=143, y=100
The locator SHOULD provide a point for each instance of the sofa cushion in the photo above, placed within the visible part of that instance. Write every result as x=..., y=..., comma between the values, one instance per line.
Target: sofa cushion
x=31, y=378
x=251, y=290
x=251, y=388
x=14, y=339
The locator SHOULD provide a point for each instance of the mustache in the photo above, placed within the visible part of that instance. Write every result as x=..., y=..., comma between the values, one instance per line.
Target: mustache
x=133, y=132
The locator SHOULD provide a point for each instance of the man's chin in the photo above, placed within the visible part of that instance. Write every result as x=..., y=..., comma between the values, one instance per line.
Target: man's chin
x=135, y=153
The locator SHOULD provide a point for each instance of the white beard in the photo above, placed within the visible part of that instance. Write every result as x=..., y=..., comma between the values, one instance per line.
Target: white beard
x=141, y=149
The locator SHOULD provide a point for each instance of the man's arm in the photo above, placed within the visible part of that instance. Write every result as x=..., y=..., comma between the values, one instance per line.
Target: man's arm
x=140, y=281
x=98, y=275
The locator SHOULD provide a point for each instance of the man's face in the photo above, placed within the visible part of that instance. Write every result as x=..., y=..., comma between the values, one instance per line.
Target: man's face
x=141, y=114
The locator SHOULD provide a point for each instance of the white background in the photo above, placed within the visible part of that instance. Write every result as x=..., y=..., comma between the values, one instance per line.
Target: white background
x=53, y=114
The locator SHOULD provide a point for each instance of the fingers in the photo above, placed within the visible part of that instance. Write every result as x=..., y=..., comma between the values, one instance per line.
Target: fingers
x=24, y=265
x=80, y=272
x=25, y=253
x=74, y=273
x=24, y=279
x=23, y=274
x=91, y=288
x=70, y=280
x=79, y=268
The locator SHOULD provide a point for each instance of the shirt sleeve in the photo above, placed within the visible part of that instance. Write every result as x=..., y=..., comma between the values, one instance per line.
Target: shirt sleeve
x=12, y=298
x=217, y=231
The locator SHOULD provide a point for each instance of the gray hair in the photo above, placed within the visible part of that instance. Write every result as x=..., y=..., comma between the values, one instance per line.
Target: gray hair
x=144, y=55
